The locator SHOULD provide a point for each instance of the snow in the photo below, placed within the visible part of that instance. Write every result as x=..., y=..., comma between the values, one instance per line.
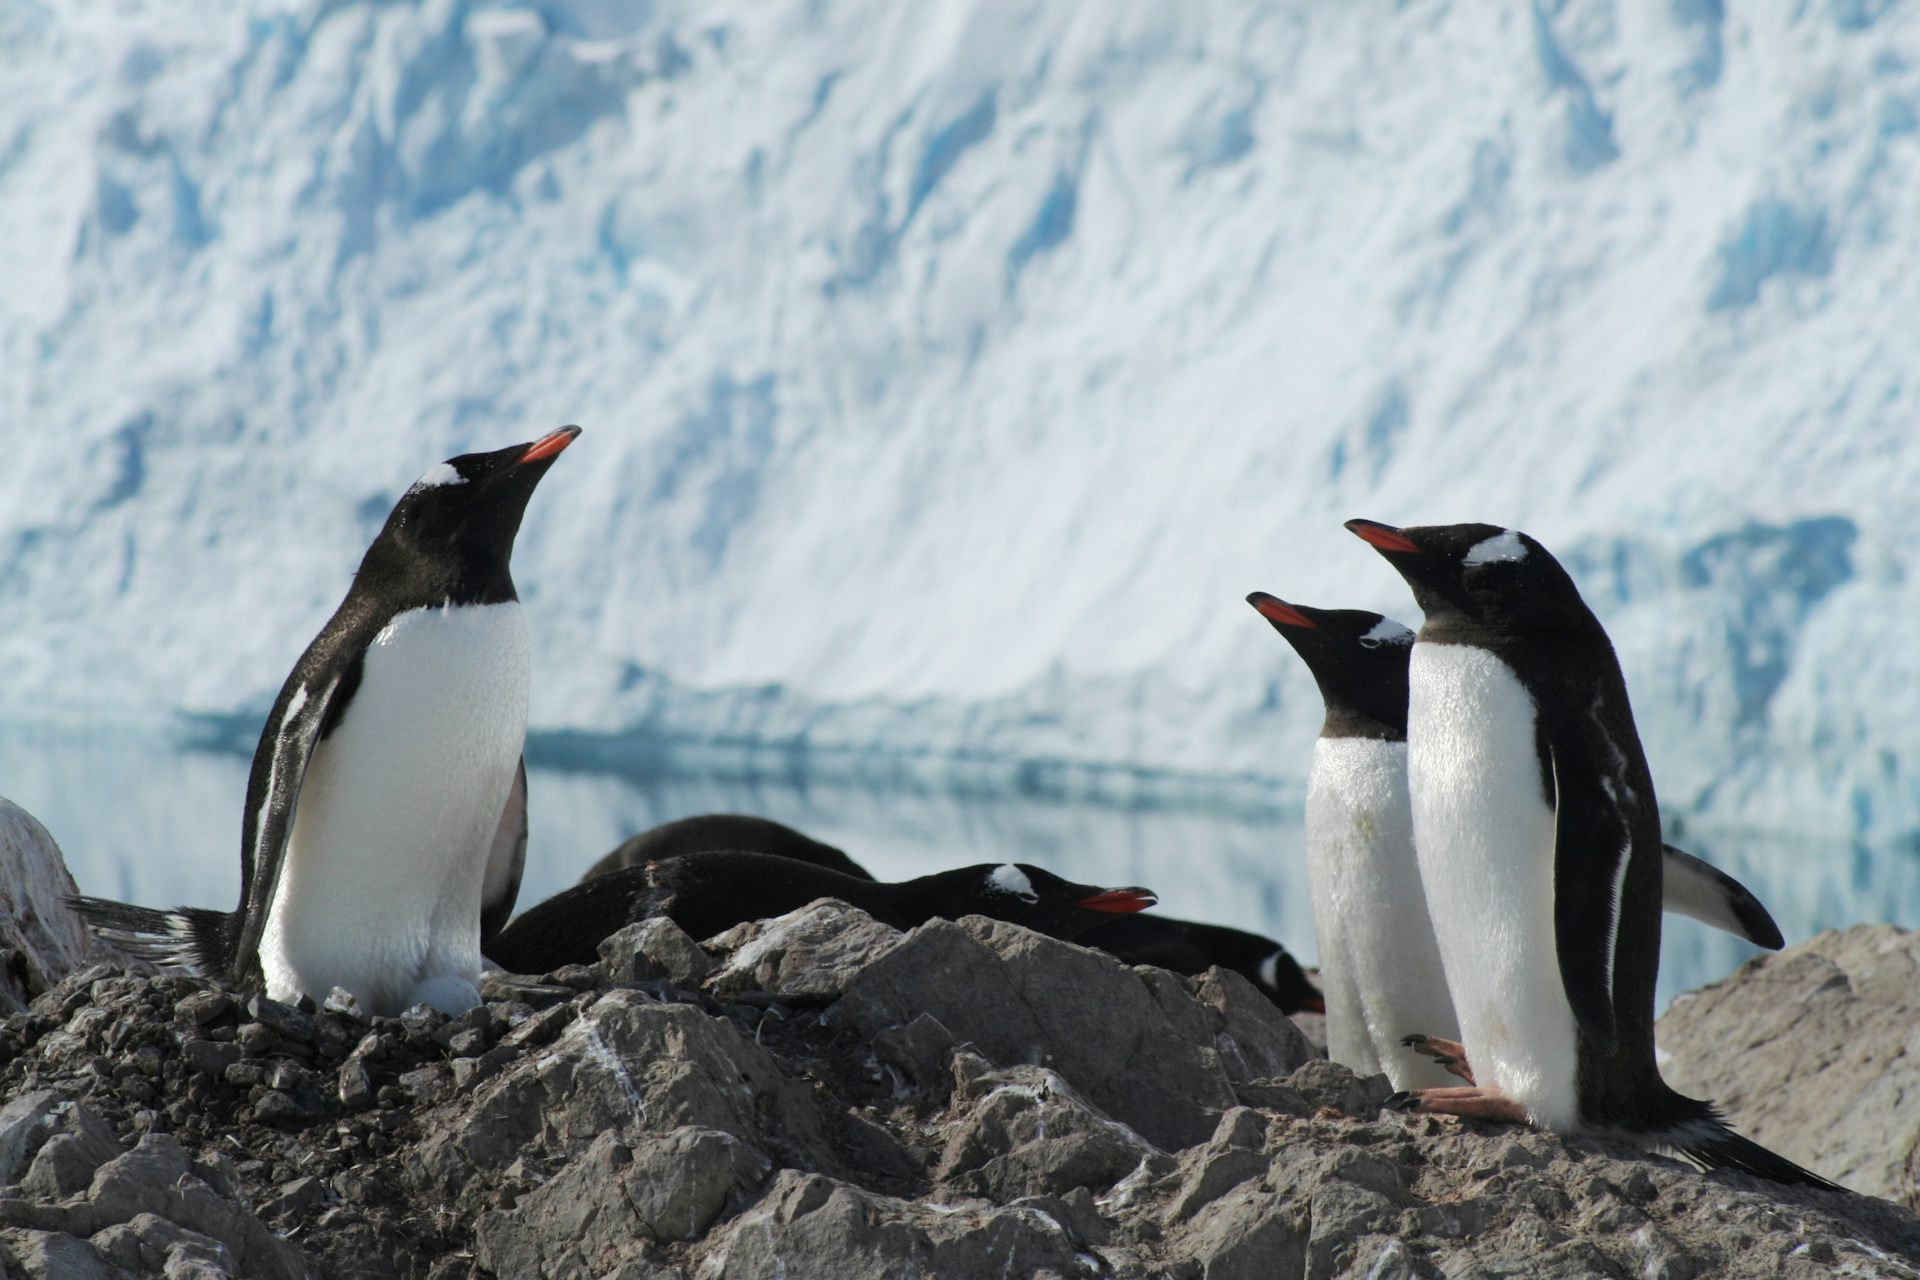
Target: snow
x=951, y=372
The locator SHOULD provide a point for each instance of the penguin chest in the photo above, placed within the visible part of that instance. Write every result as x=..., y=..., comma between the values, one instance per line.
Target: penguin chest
x=1380, y=964
x=1484, y=835
x=381, y=883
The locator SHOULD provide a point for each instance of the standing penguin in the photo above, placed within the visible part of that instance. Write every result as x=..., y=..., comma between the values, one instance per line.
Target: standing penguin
x=1380, y=970
x=1538, y=838
x=1379, y=960
x=386, y=809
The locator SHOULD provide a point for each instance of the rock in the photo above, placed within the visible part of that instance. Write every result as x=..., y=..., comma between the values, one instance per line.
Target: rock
x=1022, y=997
x=851, y=1234
x=1025, y=1132
x=68, y=1160
x=25, y=1122
x=815, y=951
x=1815, y=1052
x=41, y=939
x=651, y=949
x=52, y=1255
x=605, y=1206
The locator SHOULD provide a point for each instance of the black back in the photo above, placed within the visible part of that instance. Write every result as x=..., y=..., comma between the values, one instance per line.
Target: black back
x=1359, y=660
x=708, y=893
x=1189, y=947
x=713, y=832
x=449, y=539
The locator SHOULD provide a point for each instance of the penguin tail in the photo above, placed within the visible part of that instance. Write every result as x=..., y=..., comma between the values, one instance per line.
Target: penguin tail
x=1706, y=1140
x=190, y=938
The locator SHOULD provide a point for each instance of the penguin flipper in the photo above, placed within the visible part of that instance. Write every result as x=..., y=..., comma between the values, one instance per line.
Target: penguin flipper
x=301, y=716
x=1703, y=892
x=1592, y=849
x=506, y=861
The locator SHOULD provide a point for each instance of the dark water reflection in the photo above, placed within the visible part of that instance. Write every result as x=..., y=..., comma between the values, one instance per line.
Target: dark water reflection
x=143, y=820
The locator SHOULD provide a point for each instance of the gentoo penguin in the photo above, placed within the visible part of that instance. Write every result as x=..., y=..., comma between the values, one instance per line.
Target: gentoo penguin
x=712, y=832
x=708, y=893
x=386, y=810
x=1379, y=961
x=1184, y=946
x=1191, y=948
x=1380, y=966
x=1538, y=838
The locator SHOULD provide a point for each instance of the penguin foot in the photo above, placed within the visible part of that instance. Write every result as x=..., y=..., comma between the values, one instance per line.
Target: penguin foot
x=1450, y=1054
x=1472, y=1104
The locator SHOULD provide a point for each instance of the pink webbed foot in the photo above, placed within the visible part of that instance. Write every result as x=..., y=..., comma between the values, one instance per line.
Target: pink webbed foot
x=1450, y=1054
x=1471, y=1103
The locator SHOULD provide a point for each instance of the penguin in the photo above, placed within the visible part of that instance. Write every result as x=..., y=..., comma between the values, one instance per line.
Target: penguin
x=1537, y=833
x=1380, y=964
x=710, y=832
x=1183, y=946
x=1190, y=947
x=708, y=893
x=385, y=821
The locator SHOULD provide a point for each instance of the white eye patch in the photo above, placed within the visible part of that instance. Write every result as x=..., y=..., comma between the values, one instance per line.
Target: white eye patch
x=440, y=474
x=1386, y=631
x=1007, y=878
x=1270, y=970
x=1505, y=545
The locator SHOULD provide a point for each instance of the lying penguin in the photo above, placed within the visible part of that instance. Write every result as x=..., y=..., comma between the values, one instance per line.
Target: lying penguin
x=708, y=893
x=1183, y=946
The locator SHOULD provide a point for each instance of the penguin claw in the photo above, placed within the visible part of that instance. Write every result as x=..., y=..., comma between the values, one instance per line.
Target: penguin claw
x=1401, y=1100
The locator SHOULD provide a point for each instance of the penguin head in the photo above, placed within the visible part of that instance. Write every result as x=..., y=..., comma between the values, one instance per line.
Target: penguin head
x=1029, y=896
x=1359, y=659
x=470, y=507
x=1492, y=576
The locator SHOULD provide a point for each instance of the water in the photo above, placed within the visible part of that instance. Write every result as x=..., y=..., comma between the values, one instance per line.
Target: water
x=145, y=821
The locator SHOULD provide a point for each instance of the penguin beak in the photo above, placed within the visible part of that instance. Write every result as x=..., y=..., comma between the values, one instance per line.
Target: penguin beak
x=548, y=446
x=1279, y=612
x=1383, y=537
x=1313, y=1004
x=1119, y=901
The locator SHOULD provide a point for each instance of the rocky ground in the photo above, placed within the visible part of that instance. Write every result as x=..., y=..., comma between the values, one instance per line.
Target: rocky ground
x=823, y=1096
x=820, y=1096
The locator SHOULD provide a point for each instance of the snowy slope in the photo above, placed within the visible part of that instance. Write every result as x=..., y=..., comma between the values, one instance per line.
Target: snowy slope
x=950, y=371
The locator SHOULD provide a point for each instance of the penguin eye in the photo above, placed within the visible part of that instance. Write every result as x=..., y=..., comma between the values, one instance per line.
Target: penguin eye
x=1369, y=642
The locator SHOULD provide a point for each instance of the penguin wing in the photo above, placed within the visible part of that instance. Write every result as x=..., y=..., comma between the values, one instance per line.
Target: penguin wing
x=301, y=717
x=506, y=860
x=1690, y=887
x=1592, y=848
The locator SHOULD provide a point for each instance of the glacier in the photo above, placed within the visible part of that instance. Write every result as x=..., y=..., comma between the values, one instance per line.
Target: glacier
x=950, y=372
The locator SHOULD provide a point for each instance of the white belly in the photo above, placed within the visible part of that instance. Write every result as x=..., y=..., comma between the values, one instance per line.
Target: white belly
x=1380, y=966
x=1484, y=836
x=380, y=888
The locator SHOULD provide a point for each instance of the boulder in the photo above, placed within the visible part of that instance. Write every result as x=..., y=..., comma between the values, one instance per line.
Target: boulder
x=41, y=939
x=1815, y=1052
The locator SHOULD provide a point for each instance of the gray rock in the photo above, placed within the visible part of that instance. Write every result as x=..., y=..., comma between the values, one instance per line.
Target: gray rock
x=66, y=1163
x=52, y=1255
x=1815, y=1052
x=25, y=1123
x=1025, y=1132
x=602, y=1209
x=628, y=1067
x=45, y=939
x=815, y=951
x=655, y=948
x=850, y=1234
x=1019, y=996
